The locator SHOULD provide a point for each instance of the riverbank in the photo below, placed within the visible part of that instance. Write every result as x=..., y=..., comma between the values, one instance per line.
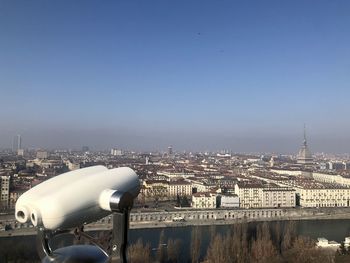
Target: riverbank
x=330, y=229
x=319, y=215
x=163, y=219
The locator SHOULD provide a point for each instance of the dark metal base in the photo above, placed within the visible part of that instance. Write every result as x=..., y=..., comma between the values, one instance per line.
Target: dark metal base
x=77, y=254
x=115, y=252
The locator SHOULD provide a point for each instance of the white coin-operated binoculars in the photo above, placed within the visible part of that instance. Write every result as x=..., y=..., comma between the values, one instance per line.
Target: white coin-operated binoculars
x=65, y=203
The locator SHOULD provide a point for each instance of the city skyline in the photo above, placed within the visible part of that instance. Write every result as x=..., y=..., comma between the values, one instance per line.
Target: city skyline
x=165, y=149
x=198, y=75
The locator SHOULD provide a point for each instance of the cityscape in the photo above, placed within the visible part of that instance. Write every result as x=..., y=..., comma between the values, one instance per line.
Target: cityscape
x=195, y=189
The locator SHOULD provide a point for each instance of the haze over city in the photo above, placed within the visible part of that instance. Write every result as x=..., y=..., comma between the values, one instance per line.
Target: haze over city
x=204, y=75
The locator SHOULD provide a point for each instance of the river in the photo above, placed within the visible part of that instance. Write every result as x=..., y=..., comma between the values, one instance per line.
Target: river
x=336, y=229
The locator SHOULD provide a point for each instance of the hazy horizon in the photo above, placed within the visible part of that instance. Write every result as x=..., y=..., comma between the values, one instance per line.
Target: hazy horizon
x=198, y=75
x=182, y=141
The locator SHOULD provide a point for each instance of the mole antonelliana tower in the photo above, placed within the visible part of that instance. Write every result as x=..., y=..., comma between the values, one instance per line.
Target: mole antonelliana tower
x=304, y=155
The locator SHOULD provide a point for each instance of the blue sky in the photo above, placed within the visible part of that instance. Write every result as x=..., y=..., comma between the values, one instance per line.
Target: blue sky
x=243, y=75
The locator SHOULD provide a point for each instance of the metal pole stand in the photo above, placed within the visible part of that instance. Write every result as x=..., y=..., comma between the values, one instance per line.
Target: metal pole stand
x=119, y=245
x=117, y=248
x=70, y=254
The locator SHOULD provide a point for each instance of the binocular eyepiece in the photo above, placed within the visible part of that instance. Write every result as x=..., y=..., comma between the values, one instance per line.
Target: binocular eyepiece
x=78, y=197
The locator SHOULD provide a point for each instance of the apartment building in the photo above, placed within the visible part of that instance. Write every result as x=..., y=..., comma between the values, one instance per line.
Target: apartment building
x=258, y=195
x=204, y=200
x=165, y=189
x=4, y=189
x=155, y=188
x=331, y=178
x=279, y=197
x=313, y=194
x=180, y=187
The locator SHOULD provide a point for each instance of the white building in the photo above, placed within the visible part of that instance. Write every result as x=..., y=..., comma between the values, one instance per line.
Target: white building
x=116, y=152
x=155, y=189
x=331, y=178
x=347, y=242
x=20, y=152
x=166, y=190
x=324, y=243
x=279, y=197
x=257, y=195
x=41, y=154
x=318, y=195
x=4, y=189
x=250, y=194
x=312, y=193
x=229, y=201
x=180, y=187
x=204, y=200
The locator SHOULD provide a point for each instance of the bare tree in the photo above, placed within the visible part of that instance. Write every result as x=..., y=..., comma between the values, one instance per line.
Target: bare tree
x=303, y=250
x=289, y=235
x=216, y=251
x=138, y=253
x=236, y=244
x=173, y=249
x=161, y=251
x=267, y=245
x=196, y=237
x=262, y=248
x=277, y=236
x=244, y=244
x=212, y=231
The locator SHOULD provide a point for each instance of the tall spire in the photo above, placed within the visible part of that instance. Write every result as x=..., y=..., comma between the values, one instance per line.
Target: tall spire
x=304, y=155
